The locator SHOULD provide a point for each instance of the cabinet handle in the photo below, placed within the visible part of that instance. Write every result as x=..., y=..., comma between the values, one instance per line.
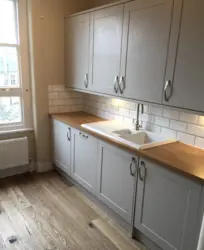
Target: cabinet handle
x=122, y=84
x=83, y=135
x=69, y=134
x=142, y=177
x=133, y=173
x=116, y=84
x=86, y=83
x=168, y=85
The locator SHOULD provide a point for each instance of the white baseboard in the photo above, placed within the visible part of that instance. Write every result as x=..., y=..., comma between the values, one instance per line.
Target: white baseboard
x=43, y=166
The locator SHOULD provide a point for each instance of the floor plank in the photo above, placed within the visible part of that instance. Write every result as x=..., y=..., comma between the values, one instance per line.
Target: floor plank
x=44, y=213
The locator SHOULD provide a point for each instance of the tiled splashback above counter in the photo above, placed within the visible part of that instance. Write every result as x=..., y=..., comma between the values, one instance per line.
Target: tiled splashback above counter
x=184, y=126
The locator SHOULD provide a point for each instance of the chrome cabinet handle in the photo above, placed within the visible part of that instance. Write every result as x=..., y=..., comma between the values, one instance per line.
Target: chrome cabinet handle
x=168, y=85
x=122, y=84
x=133, y=172
x=116, y=84
x=142, y=168
x=83, y=135
x=69, y=134
x=86, y=82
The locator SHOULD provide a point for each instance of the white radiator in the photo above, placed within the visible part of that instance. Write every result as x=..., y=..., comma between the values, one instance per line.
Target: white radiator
x=14, y=153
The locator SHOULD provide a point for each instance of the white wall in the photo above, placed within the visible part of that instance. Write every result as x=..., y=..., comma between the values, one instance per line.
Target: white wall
x=95, y=3
x=46, y=22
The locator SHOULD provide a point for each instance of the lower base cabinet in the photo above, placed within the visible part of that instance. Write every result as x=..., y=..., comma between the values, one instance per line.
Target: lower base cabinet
x=84, y=160
x=61, y=140
x=116, y=179
x=167, y=206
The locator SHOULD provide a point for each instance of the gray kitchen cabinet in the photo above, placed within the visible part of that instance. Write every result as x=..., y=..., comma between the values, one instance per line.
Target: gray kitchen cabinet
x=105, y=49
x=61, y=139
x=186, y=77
x=84, y=160
x=77, y=51
x=167, y=206
x=116, y=179
x=146, y=32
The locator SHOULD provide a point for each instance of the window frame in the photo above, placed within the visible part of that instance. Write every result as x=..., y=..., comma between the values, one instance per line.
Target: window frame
x=24, y=89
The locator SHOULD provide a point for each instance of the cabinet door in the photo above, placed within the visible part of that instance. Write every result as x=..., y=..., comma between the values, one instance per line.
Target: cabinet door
x=62, y=145
x=77, y=51
x=146, y=32
x=84, y=163
x=167, y=207
x=105, y=52
x=115, y=182
x=188, y=79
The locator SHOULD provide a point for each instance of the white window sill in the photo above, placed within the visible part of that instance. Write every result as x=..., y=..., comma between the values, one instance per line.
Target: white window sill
x=14, y=131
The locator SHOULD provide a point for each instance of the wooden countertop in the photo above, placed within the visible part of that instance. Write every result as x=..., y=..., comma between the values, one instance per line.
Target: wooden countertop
x=177, y=156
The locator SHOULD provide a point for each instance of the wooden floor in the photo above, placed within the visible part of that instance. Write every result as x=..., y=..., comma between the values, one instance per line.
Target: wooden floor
x=43, y=212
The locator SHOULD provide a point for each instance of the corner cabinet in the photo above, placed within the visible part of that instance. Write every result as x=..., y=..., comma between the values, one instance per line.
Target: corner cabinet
x=105, y=49
x=61, y=141
x=77, y=42
x=116, y=179
x=84, y=160
x=167, y=206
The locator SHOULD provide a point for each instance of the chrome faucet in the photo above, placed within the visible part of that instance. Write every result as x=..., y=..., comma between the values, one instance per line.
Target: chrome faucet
x=137, y=125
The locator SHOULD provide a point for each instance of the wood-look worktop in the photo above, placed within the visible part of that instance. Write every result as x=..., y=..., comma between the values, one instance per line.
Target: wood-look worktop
x=177, y=156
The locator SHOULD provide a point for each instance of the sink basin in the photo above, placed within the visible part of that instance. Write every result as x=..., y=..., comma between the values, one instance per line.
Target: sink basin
x=141, y=139
x=123, y=132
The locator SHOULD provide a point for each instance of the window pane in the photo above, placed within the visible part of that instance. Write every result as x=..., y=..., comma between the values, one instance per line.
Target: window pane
x=10, y=110
x=8, y=22
x=9, y=76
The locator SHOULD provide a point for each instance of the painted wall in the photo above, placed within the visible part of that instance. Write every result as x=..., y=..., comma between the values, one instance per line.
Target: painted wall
x=46, y=22
x=95, y=3
x=73, y=6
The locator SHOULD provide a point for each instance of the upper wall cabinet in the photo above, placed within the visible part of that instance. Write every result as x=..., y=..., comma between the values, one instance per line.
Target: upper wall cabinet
x=185, y=82
x=146, y=31
x=105, y=49
x=77, y=51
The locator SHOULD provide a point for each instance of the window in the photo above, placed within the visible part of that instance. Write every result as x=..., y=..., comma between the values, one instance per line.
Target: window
x=15, y=103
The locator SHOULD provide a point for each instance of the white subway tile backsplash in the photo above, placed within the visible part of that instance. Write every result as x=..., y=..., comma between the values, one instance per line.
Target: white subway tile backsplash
x=168, y=132
x=64, y=95
x=179, y=126
x=201, y=121
x=64, y=109
x=195, y=130
x=75, y=108
x=114, y=109
x=53, y=109
x=118, y=118
x=53, y=96
x=148, y=118
x=128, y=121
x=146, y=108
x=161, y=121
x=156, y=110
x=133, y=114
x=199, y=142
x=172, y=114
x=186, y=138
x=124, y=111
x=184, y=126
x=128, y=105
x=189, y=118
x=152, y=127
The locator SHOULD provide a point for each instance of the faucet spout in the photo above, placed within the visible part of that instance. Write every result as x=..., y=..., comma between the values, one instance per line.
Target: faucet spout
x=137, y=125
